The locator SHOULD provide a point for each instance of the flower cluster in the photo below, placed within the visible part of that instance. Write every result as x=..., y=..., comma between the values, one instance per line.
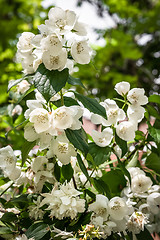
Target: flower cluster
x=125, y=123
x=61, y=42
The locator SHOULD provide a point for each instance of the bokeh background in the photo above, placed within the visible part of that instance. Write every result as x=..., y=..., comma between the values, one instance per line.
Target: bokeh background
x=124, y=35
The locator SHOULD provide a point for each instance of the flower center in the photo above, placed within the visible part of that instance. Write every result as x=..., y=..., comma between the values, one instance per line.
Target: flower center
x=63, y=147
x=80, y=48
x=54, y=60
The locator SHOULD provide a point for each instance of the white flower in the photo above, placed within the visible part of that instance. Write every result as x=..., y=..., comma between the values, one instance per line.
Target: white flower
x=136, y=222
x=41, y=119
x=117, y=208
x=23, y=237
x=35, y=211
x=7, y=159
x=100, y=206
x=62, y=149
x=53, y=62
x=122, y=88
x=52, y=43
x=25, y=42
x=80, y=52
x=135, y=113
x=67, y=117
x=17, y=110
x=126, y=130
x=23, y=86
x=153, y=200
x=140, y=183
x=136, y=96
x=134, y=171
x=64, y=202
x=80, y=29
x=60, y=21
x=103, y=138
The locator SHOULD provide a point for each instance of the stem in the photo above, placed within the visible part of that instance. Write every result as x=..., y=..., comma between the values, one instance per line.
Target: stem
x=74, y=182
x=62, y=99
x=89, y=176
x=6, y=189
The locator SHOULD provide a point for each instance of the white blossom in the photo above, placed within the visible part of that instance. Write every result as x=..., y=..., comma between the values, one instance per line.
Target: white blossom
x=62, y=149
x=140, y=183
x=153, y=201
x=136, y=96
x=80, y=52
x=17, y=110
x=23, y=86
x=135, y=113
x=103, y=138
x=126, y=130
x=52, y=43
x=53, y=62
x=23, y=237
x=35, y=211
x=100, y=206
x=117, y=208
x=64, y=202
x=41, y=119
x=25, y=42
x=122, y=88
x=136, y=222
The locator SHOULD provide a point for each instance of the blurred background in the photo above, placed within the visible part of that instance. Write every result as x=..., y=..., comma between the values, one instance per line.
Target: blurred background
x=125, y=36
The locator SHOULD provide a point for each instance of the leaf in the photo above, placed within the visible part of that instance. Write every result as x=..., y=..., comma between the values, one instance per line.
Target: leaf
x=31, y=89
x=91, y=104
x=122, y=144
x=68, y=101
x=102, y=187
x=57, y=171
x=77, y=138
x=48, y=83
x=124, y=170
x=144, y=235
x=91, y=194
x=99, y=154
x=153, y=112
x=83, y=167
x=27, y=146
x=37, y=231
x=153, y=162
x=115, y=180
x=5, y=230
x=154, y=132
x=154, y=98
x=9, y=217
x=67, y=172
x=75, y=81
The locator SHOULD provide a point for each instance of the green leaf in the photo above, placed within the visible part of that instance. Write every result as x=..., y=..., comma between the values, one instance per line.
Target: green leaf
x=144, y=235
x=154, y=98
x=5, y=230
x=102, y=187
x=82, y=167
x=154, y=132
x=91, y=194
x=122, y=144
x=8, y=217
x=153, y=162
x=153, y=112
x=67, y=172
x=115, y=180
x=37, y=231
x=57, y=171
x=91, y=104
x=68, y=101
x=13, y=83
x=124, y=170
x=27, y=146
x=77, y=138
x=99, y=154
x=75, y=81
x=48, y=83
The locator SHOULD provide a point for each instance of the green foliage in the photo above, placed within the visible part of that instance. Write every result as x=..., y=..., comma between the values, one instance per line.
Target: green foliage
x=48, y=82
x=99, y=154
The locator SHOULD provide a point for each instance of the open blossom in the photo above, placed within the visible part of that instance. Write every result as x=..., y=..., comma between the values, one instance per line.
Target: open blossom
x=100, y=206
x=64, y=202
x=80, y=52
x=41, y=119
x=140, y=183
x=103, y=138
x=62, y=149
x=117, y=208
x=23, y=86
x=153, y=201
x=122, y=88
x=136, y=222
x=126, y=130
x=52, y=61
x=25, y=42
x=35, y=211
x=52, y=43
x=135, y=113
x=136, y=96
x=67, y=117
x=23, y=237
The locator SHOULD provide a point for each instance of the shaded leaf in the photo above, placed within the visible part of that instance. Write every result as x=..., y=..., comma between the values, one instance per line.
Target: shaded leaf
x=102, y=187
x=67, y=172
x=153, y=162
x=91, y=104
x=122, y=144
x=82, y=166
x=48, y=82
x=99, y=154
x=154, y=132
x=26, y=148
x=37, y=231
x=154, y=98
x=144, y=235
x=75, y=81
x=9, y=217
